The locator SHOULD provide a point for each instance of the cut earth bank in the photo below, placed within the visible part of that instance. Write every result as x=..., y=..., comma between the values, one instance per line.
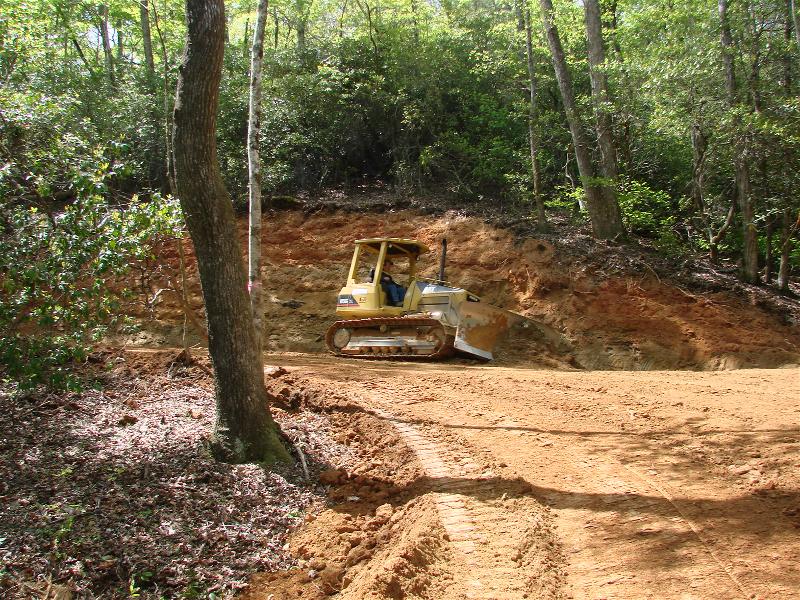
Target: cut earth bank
x=603, y=305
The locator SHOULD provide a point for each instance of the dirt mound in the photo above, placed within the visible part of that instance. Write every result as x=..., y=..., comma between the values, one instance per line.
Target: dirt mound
x=604, y=306
x=379, y=536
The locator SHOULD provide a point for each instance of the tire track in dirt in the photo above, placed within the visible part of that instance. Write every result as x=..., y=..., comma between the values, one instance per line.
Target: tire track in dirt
x=489, y=549
x=641, y=472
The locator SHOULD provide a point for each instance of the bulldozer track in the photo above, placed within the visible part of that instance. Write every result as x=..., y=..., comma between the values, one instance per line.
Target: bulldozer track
x=469, y=522
x=446, y=350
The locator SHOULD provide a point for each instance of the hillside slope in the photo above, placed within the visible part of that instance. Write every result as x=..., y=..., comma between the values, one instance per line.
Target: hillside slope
x=609, y=306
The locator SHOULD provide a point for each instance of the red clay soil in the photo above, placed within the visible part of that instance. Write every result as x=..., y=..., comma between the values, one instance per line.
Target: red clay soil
x=542, y=484
x=596, y=319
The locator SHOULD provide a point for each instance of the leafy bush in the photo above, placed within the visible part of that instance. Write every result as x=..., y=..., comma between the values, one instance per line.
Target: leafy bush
x=644, y=210
x=62, y=239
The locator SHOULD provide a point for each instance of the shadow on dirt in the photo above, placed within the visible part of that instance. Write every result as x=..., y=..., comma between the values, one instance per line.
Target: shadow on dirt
x=665, y=529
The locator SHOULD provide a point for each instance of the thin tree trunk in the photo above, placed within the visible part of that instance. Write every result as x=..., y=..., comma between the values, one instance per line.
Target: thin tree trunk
x=120, y=45
x=277, y=27
x=254, y=169
x=768, y=258
x=741, y=166
x=600, y=95
x=787, y=57
x=415, y=20
x=787, y=231
x=699, y=146
x=106, y=43
x=533, y=125
x=341, y=19
x=168, y=152
x=796, y=18
x=715, y=238
x=246, y=44
x=83, y=56
x=147, y=39
x=244, y=429
x=624, y=144
x=603, y=208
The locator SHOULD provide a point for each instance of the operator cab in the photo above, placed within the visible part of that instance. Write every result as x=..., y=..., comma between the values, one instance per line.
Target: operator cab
x=381, y=272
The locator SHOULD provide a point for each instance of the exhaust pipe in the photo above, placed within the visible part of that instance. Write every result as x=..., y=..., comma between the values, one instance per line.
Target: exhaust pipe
x=442, y=261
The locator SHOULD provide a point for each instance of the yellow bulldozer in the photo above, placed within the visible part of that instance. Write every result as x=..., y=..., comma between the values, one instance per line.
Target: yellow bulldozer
x=388, y=311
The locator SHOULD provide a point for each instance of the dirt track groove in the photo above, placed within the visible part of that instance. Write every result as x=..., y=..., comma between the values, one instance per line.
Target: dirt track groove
x=652, y=484
x=491, y=572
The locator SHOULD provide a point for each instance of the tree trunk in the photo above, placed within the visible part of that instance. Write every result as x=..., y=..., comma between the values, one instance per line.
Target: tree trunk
x=787, y=231
x=699, y=146
x=244, y=429
x=768, y=259
x=147, y=39
x=600, y=96
x=624, y=143
x=533, y=125
x=787, y=57
x=741, y=167
x=277, y=27
x=254, y=169
x=168, y=153
x=106, y=43
x=603, y=208
x=796, y=19
x=715, y=238
x=120, y=45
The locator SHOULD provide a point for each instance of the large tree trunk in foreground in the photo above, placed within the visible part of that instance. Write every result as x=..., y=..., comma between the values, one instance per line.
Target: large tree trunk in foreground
x=244, y=429
x=741, y=166
x=254, y=168
x=603, y=207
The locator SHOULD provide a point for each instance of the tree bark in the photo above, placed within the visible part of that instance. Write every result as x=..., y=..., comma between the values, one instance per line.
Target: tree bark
x=254, y=169
x=533, y=124
x=120, y=45
x=168, y=152
x=768, y=258
x=244, y=429
x=600, y=95
x=787, y=231
x=741, y=166
x=699, y=147
x=147, y=39
x=106, y=43
x=603, y=208
x=715, y=238
x=787, y=57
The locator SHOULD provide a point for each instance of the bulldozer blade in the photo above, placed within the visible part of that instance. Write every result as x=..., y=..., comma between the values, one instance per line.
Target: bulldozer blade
x=480, y=325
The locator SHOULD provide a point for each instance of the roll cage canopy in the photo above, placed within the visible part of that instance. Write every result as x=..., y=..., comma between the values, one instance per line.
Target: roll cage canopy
x=396, y=247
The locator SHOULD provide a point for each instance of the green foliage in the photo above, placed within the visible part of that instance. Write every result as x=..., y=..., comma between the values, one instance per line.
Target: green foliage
x=644, y=210
x=55, y=299
x=58, y=257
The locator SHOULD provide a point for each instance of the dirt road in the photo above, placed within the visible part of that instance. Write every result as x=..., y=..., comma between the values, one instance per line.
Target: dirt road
x=591, y=484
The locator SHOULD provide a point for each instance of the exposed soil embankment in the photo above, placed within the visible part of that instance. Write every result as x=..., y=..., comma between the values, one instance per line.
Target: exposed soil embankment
x=606, y=306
